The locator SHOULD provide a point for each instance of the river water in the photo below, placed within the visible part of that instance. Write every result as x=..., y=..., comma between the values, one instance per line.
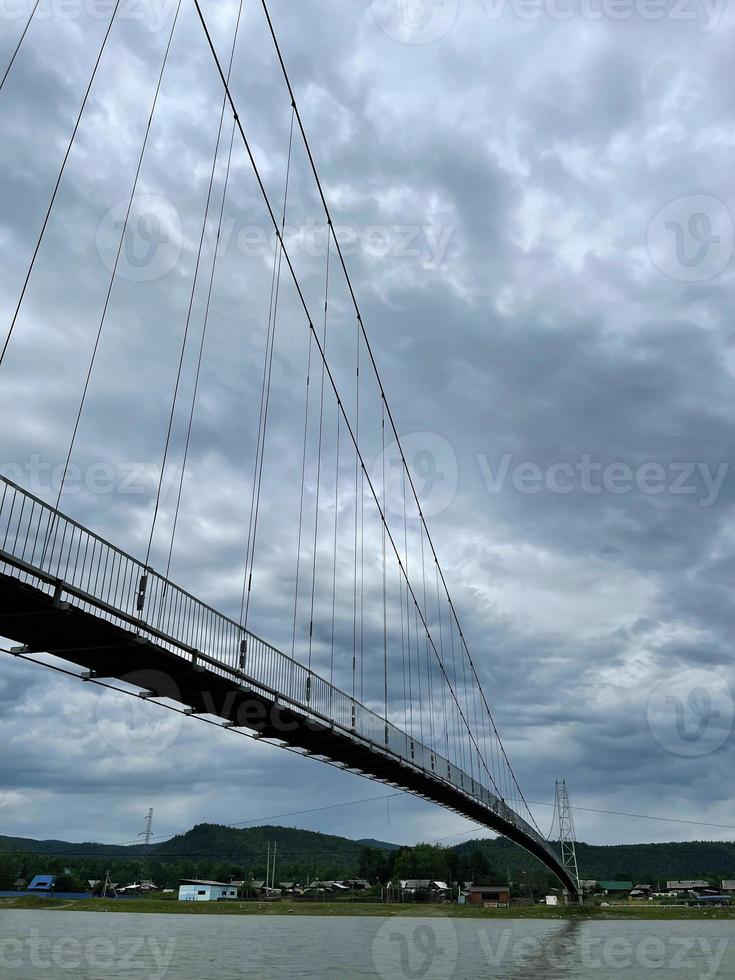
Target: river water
x=132, y=946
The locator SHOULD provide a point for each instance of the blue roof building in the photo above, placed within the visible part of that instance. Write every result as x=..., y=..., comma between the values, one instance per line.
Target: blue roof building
x=42, y=883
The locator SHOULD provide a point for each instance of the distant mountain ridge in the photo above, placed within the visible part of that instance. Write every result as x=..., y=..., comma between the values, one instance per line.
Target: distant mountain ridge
x=644, y=862
x=212, y=841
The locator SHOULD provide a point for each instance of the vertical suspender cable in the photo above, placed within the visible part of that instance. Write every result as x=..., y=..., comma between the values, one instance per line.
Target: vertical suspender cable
x=200, y=358
x=428, y=658
x=319, y=457
x=301, y=502
x=265, y=393
x=357, y=508
x=361, y=330
x=187, y=326
x=58, y=183
x=113, y=274
x=334, y=565
x=408, y=600
x=211, y=284
x=441, y=648
x=371, y=356
x=385, y=574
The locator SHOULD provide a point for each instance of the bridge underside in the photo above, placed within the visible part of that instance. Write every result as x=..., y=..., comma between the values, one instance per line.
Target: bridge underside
x=43, y=624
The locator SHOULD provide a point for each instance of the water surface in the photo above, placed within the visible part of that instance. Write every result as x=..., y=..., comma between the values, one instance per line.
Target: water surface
x=98, y=946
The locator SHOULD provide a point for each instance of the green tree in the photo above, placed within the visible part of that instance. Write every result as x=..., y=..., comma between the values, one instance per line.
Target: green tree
x=10, y=866
x=423, y=861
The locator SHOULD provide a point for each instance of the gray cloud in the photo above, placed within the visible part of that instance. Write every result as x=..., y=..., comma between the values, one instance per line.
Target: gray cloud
x=539, y=153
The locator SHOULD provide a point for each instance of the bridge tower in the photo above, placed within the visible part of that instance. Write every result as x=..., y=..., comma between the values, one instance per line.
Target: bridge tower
x=567, y=836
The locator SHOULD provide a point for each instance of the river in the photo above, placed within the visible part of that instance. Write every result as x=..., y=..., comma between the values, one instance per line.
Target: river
x=98, y=946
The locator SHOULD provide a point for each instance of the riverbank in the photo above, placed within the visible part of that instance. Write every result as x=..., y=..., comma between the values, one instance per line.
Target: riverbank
x=169, y=907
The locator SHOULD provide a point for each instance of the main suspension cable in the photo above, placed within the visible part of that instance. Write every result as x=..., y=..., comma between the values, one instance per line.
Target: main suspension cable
x=20, y=42
x=58, y=184
x=374, y=364
x=113, y=273
x=297, y=285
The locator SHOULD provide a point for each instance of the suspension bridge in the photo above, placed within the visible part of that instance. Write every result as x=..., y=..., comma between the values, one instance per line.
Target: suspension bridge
x=366, y=665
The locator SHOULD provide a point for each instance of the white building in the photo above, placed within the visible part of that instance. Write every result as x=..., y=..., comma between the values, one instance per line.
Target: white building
x=191, y=890
x=686, y=886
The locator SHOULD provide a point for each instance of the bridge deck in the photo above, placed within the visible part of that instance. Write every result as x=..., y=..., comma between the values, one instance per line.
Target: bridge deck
x=67, y=592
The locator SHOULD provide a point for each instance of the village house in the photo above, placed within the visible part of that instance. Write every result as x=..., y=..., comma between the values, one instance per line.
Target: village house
x=489, y=896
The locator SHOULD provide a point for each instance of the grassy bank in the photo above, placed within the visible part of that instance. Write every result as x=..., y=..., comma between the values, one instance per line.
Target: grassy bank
x=169, y=907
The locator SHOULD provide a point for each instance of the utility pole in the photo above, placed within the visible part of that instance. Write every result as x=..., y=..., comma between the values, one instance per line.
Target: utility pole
x=567, y=836
x=273, y=870
x=267, y=867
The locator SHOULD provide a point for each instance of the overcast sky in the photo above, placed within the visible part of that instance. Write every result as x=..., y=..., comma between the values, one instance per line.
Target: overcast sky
x=535, y=204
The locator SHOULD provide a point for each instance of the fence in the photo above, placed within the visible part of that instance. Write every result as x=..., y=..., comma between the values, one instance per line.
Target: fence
x=41, y=546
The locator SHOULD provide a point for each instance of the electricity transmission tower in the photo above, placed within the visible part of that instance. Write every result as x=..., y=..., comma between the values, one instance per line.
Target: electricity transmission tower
x=147, y=832
x=567, y=837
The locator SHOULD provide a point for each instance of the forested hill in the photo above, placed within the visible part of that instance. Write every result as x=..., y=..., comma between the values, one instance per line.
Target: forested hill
x=646, y=863
x=250, y=845
x=339, y=856
x=215, y=843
